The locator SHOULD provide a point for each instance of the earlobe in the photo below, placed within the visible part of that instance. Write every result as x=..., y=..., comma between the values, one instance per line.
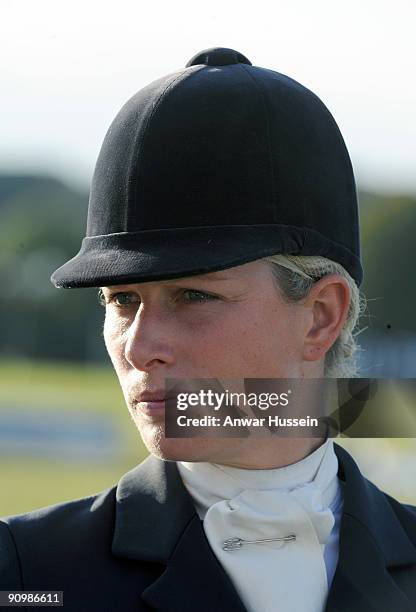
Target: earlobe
x=313, y=353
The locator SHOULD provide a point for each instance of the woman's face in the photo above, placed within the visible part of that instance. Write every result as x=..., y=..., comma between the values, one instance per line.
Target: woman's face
x=227, y=324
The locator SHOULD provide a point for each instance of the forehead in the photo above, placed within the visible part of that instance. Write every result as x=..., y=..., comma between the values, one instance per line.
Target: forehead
x=237, y=273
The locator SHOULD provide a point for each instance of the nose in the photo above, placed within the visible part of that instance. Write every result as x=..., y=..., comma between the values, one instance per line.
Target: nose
x=150, y=339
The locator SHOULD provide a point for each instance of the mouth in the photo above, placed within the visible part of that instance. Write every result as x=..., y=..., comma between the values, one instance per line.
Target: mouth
x=151, y=409
x=154, y=403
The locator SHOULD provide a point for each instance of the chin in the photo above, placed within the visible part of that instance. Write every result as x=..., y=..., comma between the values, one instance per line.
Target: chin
x=184, y=449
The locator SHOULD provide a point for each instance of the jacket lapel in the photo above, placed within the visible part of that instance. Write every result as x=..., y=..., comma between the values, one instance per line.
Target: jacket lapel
x=156, y=522
x=372, y=542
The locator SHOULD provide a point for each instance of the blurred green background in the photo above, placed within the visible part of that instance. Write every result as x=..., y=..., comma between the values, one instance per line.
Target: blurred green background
x=65, y=431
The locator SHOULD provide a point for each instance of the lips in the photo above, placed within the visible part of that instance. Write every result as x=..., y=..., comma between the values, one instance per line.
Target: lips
x=153, y=408
x=152, y=402
x=155, y=396
x=152, y=397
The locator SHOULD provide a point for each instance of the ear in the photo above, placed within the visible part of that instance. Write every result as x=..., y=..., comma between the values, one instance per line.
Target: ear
x=328, y=301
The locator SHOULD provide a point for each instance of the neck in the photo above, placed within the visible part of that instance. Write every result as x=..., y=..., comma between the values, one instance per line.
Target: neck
x=271, y=453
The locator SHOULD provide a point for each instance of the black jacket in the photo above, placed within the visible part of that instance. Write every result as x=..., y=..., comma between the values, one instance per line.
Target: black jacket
x=141, y=546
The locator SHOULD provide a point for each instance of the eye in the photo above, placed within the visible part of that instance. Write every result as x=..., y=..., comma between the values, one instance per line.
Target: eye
x=199, y=296
x=101, y=298
x=122, y=299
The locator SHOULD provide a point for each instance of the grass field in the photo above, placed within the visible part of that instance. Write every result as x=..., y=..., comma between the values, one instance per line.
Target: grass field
x=32, y=482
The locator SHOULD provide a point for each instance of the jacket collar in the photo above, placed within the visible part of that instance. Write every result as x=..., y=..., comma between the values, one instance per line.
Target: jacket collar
x=371, y=541
x=156, y=521
x=367, y=505
x=153, y=510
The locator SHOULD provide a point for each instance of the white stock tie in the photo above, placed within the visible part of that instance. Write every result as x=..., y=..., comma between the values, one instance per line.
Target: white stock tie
x=286, y=575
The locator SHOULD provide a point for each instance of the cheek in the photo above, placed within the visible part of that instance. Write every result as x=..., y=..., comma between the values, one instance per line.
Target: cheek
x=281, y=329
x=267, y=342
x=238, y=337
x=114, y=332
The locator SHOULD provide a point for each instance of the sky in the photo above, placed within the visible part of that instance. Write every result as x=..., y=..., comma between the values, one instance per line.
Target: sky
x=68, y=67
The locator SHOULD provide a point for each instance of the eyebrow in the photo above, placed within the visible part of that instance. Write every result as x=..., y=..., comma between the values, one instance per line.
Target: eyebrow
x=211, y=276
x=214, y=276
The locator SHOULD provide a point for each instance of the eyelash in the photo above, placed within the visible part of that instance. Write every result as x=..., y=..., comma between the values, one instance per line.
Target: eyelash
x=112, y=297
x=207, y=296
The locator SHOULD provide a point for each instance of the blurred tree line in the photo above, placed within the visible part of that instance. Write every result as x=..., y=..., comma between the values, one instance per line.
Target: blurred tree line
x=42, y=222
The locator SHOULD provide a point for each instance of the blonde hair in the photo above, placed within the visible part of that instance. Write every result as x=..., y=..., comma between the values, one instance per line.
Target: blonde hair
x=295, y=275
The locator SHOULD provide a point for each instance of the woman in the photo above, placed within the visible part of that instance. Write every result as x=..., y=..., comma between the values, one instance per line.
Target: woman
x=223, y=235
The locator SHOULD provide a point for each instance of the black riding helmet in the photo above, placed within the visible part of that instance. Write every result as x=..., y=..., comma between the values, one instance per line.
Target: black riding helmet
x=213, y=166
